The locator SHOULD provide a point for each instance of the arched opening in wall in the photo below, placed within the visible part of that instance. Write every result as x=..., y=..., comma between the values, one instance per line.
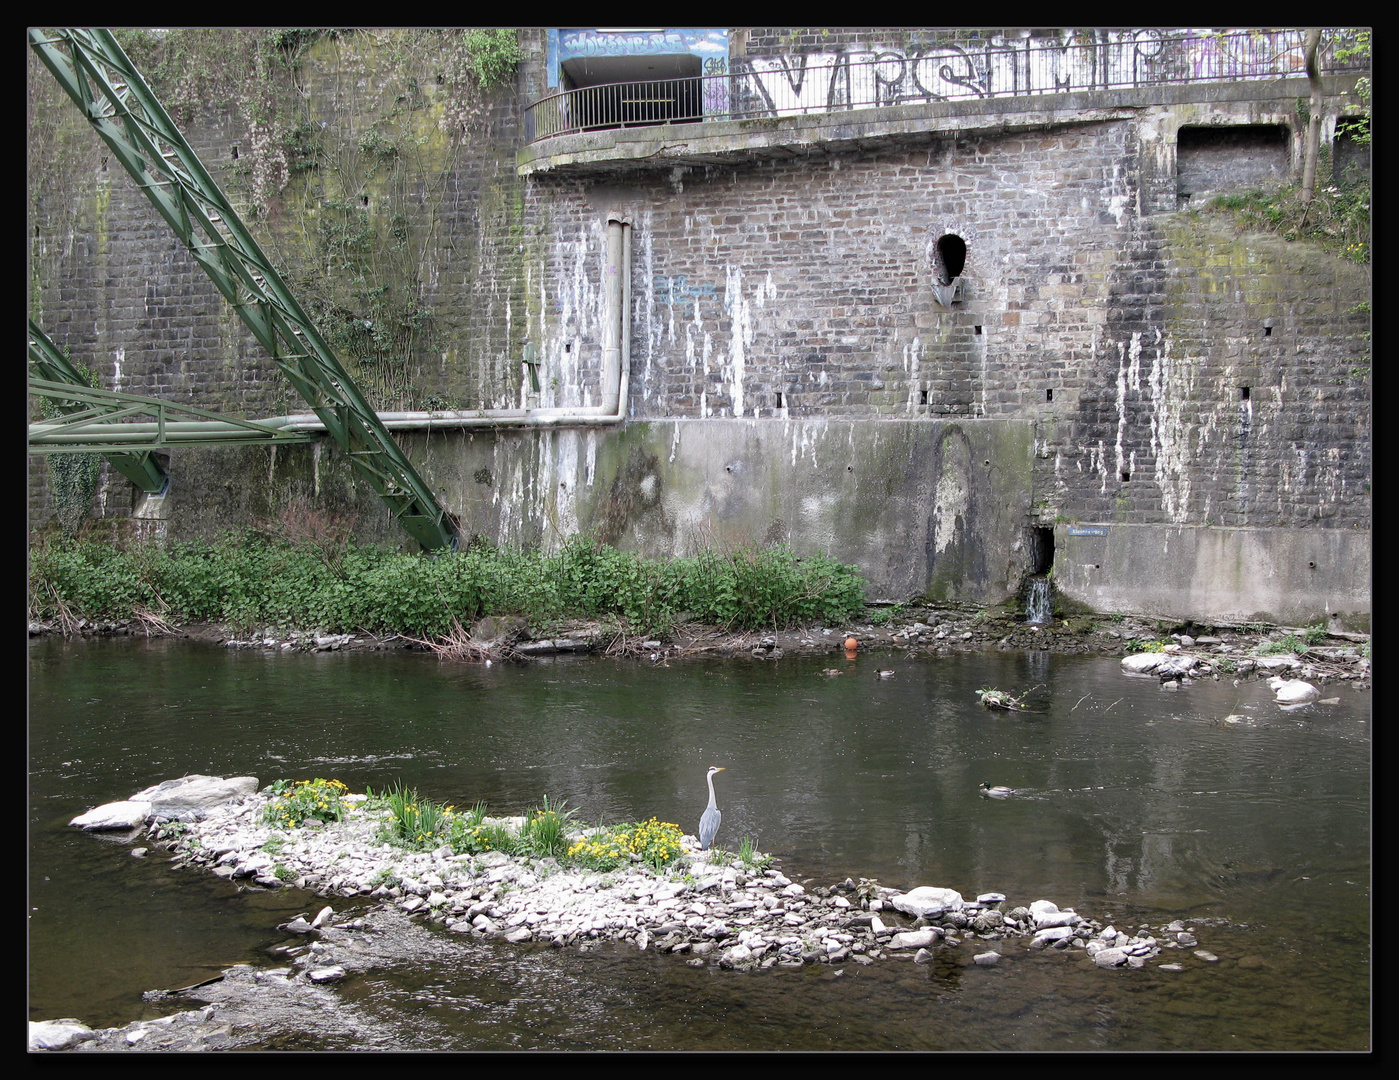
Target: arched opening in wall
x=949, y=256
x=617, y=91
x=1350, y=155
x=1222, y=158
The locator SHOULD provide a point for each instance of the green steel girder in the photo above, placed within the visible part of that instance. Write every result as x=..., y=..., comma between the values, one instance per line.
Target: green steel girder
x=97, y=74
x=100, y=425
x=46, y=361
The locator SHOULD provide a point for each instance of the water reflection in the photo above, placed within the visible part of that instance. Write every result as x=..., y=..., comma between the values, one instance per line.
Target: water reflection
x=1131, y=802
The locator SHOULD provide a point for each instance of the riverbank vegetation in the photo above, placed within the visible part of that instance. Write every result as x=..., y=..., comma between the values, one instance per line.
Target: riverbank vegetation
x=250, y=579
x=550, y=830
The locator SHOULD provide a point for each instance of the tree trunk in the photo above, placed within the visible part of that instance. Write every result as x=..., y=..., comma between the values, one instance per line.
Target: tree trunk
x=1314, y=121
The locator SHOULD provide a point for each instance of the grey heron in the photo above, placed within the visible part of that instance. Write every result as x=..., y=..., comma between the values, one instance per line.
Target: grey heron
x=709, y=822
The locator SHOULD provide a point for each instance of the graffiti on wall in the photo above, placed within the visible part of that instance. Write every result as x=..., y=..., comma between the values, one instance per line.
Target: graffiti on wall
x=821, y=82
x=677, y=292
x=708, y=44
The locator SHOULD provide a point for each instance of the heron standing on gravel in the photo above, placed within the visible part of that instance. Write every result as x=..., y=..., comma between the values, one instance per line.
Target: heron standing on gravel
x=709, y=823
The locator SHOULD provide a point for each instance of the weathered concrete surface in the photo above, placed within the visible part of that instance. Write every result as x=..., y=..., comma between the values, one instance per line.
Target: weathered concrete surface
x=715, y=141
x=1295, y=577
x=919, y=506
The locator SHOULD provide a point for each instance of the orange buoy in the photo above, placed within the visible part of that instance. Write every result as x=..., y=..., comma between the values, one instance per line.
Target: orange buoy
x=851, y=644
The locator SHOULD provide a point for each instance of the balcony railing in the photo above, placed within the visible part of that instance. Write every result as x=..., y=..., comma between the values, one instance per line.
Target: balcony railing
x=811, y=84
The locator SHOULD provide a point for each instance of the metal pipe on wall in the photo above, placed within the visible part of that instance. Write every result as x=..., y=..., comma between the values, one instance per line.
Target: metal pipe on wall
x=616, y=367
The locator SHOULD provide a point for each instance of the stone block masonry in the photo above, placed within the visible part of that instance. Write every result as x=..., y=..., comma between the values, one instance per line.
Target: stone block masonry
x=1172, y=373
x=802, y=287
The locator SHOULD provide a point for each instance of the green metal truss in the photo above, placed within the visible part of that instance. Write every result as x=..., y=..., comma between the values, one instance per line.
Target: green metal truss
x=97, y=424
x=47, y=363
x=97, y=74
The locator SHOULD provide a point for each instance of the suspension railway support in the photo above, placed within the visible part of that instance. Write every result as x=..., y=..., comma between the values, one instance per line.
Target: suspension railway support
x=97, y=74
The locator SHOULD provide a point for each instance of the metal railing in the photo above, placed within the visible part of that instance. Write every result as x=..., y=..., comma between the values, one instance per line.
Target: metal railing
x=802, y=84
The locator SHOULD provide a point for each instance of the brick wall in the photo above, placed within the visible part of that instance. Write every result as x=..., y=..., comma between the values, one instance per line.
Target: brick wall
x=806, y=276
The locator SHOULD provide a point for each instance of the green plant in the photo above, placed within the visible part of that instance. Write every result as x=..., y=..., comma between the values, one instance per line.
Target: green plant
x=868, y=888
x=1287, y=644
x=545, y=831
x=416, y=823
x=886, y=615
x=750, y=857
x=302, y=571
x=274, y=845
x=653, y=842
x=281, y=873
x=1143, y=645
x=1315, y=635
x=492, y=55
x=73, y=477
x=1337, y=218
x=305, y=800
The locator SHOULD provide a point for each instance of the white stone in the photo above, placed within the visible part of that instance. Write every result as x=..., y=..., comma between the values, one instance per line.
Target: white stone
x=915, y=939
x=58, y=1034
x=196, y=792
x=1112, y=957
x=927, y=901
x=1293, y=691
x=117, y=815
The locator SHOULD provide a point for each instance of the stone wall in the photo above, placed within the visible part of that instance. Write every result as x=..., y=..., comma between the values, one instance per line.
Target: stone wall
x=1108, y=338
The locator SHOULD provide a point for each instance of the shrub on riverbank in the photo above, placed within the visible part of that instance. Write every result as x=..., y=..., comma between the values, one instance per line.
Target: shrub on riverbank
x=294, y=803
x=251, y=580
x=419, y=824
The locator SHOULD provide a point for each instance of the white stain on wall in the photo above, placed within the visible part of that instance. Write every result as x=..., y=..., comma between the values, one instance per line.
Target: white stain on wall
x=950, y=503
x=740, y=335
x=1171, y=384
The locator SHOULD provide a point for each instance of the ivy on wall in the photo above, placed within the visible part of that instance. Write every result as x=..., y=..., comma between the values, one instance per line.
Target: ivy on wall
x=73, y=477
x=342, y=143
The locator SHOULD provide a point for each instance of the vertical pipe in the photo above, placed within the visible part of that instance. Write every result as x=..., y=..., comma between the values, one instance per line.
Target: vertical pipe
x=612, y=317
x=625, y=373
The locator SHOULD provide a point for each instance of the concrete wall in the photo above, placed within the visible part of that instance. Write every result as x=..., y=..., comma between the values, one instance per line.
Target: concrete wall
x=1296, y=577
x=793, y=375
x=921, y=507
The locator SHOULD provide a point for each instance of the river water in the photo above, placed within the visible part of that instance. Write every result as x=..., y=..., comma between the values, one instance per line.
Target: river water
x=1133, y=804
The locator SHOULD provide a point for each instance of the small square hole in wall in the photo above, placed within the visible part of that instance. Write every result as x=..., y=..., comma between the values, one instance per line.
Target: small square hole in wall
x=1267, y=331
x=1049, y=395
x=1243, y=393
x=364, y=199
x=1126, y=475
x=779, y=399
x=976, y=329
x=235, y=153
x=922, y=397
x=568, y=346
